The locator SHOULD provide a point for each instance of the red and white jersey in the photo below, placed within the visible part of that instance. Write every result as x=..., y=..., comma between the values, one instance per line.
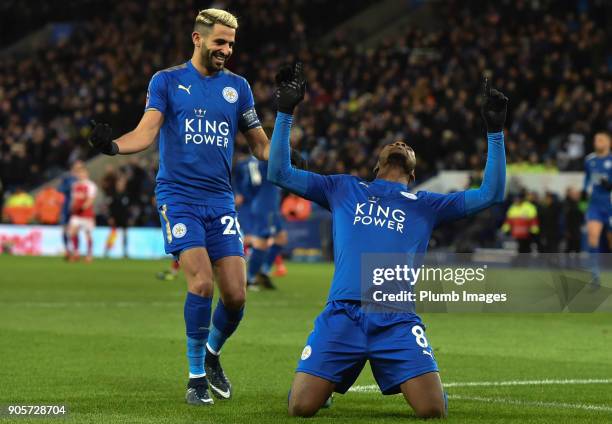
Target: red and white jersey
x=82, y=191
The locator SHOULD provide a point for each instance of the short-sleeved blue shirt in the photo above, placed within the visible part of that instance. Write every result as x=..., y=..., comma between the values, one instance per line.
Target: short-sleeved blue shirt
x=202, y=115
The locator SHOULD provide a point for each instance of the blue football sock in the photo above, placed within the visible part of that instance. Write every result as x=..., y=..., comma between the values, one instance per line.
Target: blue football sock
x=273, y=252
x=258, y=257
x=197, y=323
x=225, y=322
x=594, y=261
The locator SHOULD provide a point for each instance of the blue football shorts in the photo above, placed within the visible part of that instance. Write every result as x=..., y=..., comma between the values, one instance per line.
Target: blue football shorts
x=264, y=225
x=186, y=226
x=345, y=337
x=601, y=213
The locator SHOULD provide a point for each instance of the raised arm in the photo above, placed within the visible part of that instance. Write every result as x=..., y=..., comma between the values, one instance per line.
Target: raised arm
x=491, y=191
x=493, y=184
x=291, y=89
x=280, y=171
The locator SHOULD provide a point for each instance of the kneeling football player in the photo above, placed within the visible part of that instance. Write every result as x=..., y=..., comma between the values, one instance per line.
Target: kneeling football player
x=345, y=335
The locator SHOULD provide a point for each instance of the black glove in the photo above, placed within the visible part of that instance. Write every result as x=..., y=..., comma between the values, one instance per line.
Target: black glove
x=584, y=196
x=291, y=87
x=607, y=185
x=101, y=139
x=493, y=108
x=298, y=161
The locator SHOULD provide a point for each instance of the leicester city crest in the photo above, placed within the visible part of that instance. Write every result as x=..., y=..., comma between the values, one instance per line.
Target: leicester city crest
x=230, y=94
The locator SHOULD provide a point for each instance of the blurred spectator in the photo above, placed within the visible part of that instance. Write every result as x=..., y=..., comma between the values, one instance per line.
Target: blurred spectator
x=108, y=183
x=551, y=59
x=48, y=205
x=573, y=217
x=522, y=222
x=549, y=213
x=118, y=204
x=19, y=208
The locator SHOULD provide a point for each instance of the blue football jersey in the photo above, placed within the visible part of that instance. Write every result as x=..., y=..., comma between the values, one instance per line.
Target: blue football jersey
x=196, y=142
x=264, y=196
x=240, y=177
x=598, y=168
x=377, y=217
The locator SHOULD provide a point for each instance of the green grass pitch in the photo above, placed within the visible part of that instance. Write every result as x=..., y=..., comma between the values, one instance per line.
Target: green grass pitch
x=107, y=340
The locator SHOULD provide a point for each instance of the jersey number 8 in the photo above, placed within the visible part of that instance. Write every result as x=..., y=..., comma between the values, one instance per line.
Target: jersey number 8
x=419, y=333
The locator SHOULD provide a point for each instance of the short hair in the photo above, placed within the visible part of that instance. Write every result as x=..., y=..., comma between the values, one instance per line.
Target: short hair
x=207, y=18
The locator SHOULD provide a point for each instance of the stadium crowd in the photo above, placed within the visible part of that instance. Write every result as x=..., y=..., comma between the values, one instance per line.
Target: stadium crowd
x=552, y=58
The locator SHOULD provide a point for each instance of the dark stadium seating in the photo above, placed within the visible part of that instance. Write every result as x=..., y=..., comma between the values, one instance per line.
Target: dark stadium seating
x=421, y=86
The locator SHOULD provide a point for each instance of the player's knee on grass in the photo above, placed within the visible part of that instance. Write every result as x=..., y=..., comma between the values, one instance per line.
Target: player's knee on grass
x=430, y=410
x=425, y=395
x=308, y=394
x=301, y=406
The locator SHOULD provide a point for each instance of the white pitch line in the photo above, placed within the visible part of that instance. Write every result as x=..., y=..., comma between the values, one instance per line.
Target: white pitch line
x=540, y=404
x=374, y=388
x=530, y=382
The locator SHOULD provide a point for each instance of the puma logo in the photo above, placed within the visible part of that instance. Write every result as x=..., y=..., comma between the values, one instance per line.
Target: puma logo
x=182, y=87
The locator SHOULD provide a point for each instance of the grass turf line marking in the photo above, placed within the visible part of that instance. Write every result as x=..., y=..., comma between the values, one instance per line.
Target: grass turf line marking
x=540, y=404
x=374, y=388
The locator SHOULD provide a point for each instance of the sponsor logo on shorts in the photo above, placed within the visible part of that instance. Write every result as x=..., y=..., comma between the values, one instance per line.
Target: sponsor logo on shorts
x=179, y=230
x=306, y=352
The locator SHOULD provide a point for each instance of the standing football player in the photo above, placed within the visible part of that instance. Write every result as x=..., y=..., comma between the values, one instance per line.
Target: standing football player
x=376, y=217
x=83, y=196
x=197, y=108
x=267, y=233
x=598, y=181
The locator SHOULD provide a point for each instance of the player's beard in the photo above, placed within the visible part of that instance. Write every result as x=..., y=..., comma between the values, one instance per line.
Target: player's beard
x=398, y=160
x=209, y=61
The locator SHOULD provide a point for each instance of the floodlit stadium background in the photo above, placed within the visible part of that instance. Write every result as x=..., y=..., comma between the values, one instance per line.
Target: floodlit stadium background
x=378, y=71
